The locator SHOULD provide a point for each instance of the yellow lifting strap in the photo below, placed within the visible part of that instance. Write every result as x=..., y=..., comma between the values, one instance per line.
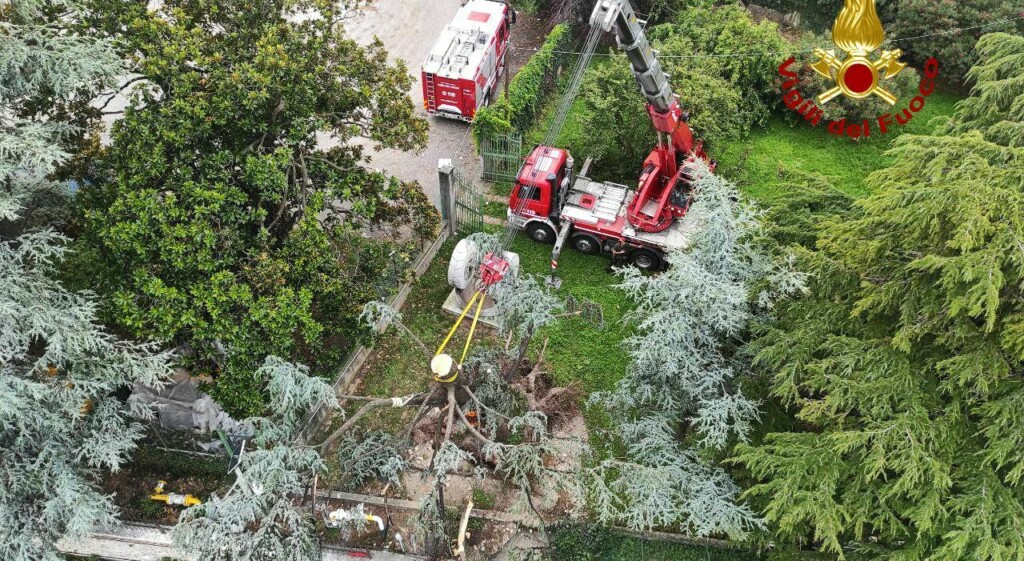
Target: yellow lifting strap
x=465, y=349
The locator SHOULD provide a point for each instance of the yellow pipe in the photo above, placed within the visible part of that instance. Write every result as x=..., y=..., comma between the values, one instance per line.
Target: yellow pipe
x=458, y=321
x=172, y=498
x=472, y=328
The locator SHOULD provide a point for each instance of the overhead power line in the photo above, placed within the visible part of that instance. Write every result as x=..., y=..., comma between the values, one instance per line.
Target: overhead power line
x=751, y=54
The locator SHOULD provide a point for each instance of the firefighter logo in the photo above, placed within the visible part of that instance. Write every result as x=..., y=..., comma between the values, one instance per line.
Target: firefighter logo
x=858, y=31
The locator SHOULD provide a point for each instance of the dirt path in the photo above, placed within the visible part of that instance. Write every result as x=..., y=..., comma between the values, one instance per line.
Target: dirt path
x=408, y=29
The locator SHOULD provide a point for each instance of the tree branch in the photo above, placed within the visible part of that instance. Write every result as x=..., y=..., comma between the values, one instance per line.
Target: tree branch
x=452, y=406
x=475, y=432
x=481, y=404
x=460, y=550
x=377, y=403
x=120, y=89
x=331, y=164
x=419, y=413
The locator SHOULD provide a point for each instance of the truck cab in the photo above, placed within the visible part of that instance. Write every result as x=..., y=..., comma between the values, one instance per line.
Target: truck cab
x=536, y=194
x=557, y=205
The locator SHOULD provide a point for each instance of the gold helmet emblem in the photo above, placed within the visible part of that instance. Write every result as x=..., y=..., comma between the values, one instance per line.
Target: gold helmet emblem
x=858, y=31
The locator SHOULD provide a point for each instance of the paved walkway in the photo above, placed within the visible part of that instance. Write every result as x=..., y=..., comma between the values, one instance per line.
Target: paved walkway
x=151, y=542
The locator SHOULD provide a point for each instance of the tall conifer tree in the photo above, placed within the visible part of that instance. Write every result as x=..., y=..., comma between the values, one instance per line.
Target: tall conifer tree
x=61, y=425
x=904, y=364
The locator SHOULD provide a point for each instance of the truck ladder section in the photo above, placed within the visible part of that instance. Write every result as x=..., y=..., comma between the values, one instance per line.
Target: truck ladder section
x=609, y=202
x=431, y=95
x=460, y=49
x=629, y=35
x=466, y=48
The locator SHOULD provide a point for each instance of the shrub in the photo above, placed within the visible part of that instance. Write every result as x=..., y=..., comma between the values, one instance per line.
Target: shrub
x=723, y=31
x=615, y=129
x=955, y=52
x=726, y=96
x=517, y=110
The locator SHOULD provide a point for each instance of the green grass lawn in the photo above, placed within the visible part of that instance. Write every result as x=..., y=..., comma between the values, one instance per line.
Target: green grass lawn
x=495, y=209
x=754, y=163
x=577, y=349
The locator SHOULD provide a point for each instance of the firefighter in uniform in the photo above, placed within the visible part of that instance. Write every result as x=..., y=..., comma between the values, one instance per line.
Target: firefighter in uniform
x=618, y=255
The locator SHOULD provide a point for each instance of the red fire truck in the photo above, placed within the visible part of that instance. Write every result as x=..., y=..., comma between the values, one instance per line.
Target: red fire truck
x=591, y=214
x=553, y=205
x=461, y=72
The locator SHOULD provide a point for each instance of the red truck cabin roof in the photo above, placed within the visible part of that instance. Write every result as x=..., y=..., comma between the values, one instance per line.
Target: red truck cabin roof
x=543, y=161
x=538, y=179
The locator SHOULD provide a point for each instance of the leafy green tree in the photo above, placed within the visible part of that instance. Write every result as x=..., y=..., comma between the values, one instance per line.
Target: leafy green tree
x=903, y=364
x=725, y=95
x=996, y=104
x=614, y=126
x=725, y=31
x=218, y=217
x=928, y=25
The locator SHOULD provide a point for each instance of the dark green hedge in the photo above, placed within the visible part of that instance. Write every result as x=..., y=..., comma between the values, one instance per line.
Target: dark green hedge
x=526, y=91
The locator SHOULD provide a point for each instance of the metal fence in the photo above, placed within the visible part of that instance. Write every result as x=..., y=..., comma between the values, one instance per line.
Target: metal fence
x=501, y=155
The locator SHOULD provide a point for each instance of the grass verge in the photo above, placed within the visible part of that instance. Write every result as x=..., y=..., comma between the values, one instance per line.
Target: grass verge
x=594, y=543
x=578, y=351
x=755, y=163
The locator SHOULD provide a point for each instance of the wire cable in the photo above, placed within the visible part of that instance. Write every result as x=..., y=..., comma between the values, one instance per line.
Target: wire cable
x=751, y=54
x=561, y=114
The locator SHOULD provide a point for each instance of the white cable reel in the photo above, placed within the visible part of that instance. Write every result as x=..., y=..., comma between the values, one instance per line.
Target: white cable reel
x=460, y=268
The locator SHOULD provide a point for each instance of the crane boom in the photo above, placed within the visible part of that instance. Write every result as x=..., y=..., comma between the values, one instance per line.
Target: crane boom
x=662, y=103
x=661, y=195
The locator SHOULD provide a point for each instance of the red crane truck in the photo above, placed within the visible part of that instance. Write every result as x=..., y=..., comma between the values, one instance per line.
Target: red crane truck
x=461, y=72
x=552, y=204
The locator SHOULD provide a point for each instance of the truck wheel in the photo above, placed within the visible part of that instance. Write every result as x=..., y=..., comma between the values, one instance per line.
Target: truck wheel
x=540, y=232
x=645, y=259
x=586, y=244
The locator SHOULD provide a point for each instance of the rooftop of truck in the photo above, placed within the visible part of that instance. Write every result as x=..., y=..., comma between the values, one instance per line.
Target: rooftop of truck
x=460, y=47
x=541, y=162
